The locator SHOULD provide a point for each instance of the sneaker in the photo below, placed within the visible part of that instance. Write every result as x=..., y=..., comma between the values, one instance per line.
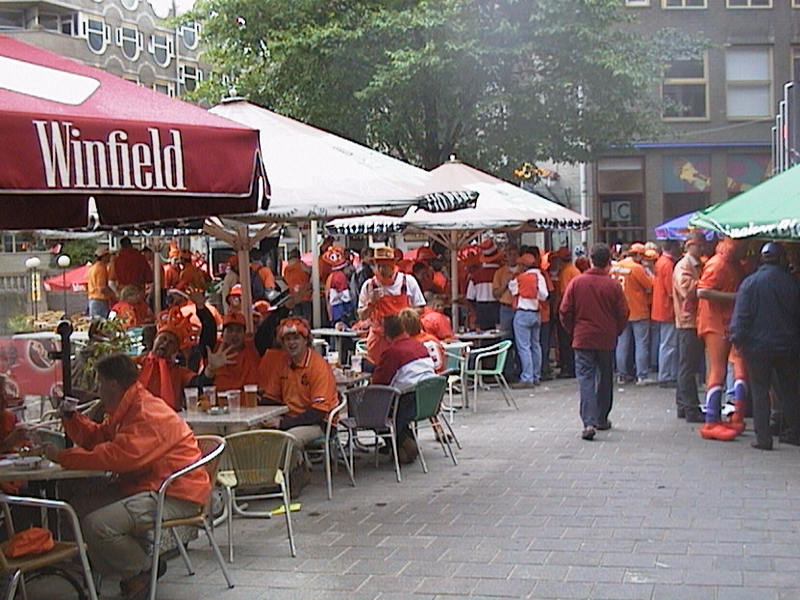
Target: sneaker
x=588, y=433
x=643, y=381
x=621, y=380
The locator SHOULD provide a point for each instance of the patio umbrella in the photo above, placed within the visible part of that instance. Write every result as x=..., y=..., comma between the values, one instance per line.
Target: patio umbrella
x=73, y=134
x=74, y=280
x=679, y=228
x=770, y=209
x=501, y=206
x=316, y=175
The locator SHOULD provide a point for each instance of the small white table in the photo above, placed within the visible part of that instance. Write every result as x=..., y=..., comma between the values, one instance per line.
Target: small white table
x=237, y=419
x=339, y=335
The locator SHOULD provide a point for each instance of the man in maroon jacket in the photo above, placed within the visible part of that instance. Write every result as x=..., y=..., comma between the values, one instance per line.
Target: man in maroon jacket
x=595, y=312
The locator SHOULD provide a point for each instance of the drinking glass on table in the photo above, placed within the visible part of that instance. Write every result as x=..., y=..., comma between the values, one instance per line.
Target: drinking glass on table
x=192, y=396
x=251, y=395
x=234, y=399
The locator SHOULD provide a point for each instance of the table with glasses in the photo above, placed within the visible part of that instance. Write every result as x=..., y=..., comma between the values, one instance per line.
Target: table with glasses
x=480, y=337
x=45, y=471
x=338, y=334
x=236, y=419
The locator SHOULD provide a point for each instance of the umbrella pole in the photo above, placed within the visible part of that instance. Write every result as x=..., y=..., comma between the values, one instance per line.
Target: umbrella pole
x=157, y=273
x=453, y=280
x=243, y=251
x=315, y=299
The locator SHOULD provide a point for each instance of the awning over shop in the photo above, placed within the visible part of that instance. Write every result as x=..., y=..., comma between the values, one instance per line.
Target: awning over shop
x=771, y=210
x=73, y=134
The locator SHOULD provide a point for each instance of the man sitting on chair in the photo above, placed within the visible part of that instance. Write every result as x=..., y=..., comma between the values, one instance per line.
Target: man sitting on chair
x=143, y=441
x=300, y=379
x=403, y=364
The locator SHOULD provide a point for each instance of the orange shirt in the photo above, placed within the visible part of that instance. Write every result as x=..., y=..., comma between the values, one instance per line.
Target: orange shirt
x=150, y=378
x=436, y=324
x=311, y=385
x=723, y=276
x=567, y=273
x=544, y=307
x=501, y=277
x=133, y=315
x=143, y=441
x=441, y=283
x=191, y=277
x=267, y=277
x=243, y=371
x=663, y=311
x=297, y=277
x=170, y=278
x=636, y=284
x=97, y=282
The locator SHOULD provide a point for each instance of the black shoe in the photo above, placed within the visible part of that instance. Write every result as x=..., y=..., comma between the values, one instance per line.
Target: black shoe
x=588, y=434
x=604, y=426
x=681, y=413
x=668, y=384
x=695, y=417
x=761, y=445
x=790, y=438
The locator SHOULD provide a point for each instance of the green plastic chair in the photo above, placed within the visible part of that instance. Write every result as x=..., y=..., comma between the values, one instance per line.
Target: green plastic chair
x=428, y=401
x=500, y=352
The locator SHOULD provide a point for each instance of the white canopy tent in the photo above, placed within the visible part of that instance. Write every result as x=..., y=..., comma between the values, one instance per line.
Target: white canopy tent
x=500, y=207
x=315, y=175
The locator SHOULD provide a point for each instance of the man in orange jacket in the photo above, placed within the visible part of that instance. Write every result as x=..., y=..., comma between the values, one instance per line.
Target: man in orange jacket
x=637, y=286
x=143, y=441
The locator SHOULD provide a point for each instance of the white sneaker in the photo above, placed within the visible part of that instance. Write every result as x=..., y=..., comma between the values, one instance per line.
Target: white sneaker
x=643, y=381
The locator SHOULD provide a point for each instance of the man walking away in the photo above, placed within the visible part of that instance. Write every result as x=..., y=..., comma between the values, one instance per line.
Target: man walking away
x=595, y=312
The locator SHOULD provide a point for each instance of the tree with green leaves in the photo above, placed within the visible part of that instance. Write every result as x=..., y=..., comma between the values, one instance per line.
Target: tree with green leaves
x=497, y=82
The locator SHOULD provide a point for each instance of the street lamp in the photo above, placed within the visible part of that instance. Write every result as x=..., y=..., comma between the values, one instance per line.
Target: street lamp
x=33, y=264
x=64, y=262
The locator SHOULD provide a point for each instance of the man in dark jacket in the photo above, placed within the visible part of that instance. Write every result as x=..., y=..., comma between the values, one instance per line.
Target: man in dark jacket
x=765, y=327
x=595, y=312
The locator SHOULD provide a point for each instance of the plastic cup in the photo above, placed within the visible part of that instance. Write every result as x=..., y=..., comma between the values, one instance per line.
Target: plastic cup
x=210, y=394
x=333, y=358
x=234, y=399
x=251, y=395
x=356, y=364
x=192, y=396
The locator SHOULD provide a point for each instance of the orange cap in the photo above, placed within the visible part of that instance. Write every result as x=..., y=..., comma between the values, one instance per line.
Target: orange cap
x=233, y=318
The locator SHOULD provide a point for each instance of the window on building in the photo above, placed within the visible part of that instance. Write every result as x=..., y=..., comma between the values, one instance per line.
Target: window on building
x=162, y=48
x=748, y=76
x=685, y=89
x=749, y=3
x=132, y=78
x=130, y=4
x=97, y=34
x=131, y=42
x=620, y=194
x=189, y=34
x=189, y=76
x=12, y=19
x=69, y=24
x=636, y=3
x=683, y=3
x=165, y=88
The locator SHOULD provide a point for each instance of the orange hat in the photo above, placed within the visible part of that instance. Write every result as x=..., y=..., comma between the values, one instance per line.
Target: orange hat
x=236, y=290
x=174, y=251
x=175, y=322
x=563, y=253
x=425, y=253
x=234, y=318
x=336, y=257
x=637, y=248
x=650, y=254
x=294, y=325
x=489, y=251
x=527, y=260
x=385, y=254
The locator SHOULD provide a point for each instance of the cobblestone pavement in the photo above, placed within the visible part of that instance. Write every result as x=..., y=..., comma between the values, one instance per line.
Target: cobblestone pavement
x=648, y=510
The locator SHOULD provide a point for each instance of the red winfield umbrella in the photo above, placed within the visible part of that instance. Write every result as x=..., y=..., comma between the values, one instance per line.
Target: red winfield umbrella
x=74, y=280
x=71, y=132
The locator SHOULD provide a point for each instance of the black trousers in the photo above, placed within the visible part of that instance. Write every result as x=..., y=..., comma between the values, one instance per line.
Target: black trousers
x=690, y=356
x=760, y=368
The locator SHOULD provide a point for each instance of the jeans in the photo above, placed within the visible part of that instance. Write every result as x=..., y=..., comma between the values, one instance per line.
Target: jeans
x=690, y=359
x=526, y=334
x=668, y=352
x=98, y=308
x=566, y=356
x=638, y=333
x=595, y=371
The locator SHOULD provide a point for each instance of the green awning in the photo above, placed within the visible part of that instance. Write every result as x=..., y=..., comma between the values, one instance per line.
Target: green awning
x=770, y=210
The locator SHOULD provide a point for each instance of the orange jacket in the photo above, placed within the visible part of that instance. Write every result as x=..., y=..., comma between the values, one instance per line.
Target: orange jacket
x=436, y=324
x=297, y=278
x=663, y=310
x=723, y=275
x=143, y=441
x=179, y=378
x=636, y=284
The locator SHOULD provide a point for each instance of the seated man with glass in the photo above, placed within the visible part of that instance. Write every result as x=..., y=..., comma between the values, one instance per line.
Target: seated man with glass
x=142, y=442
